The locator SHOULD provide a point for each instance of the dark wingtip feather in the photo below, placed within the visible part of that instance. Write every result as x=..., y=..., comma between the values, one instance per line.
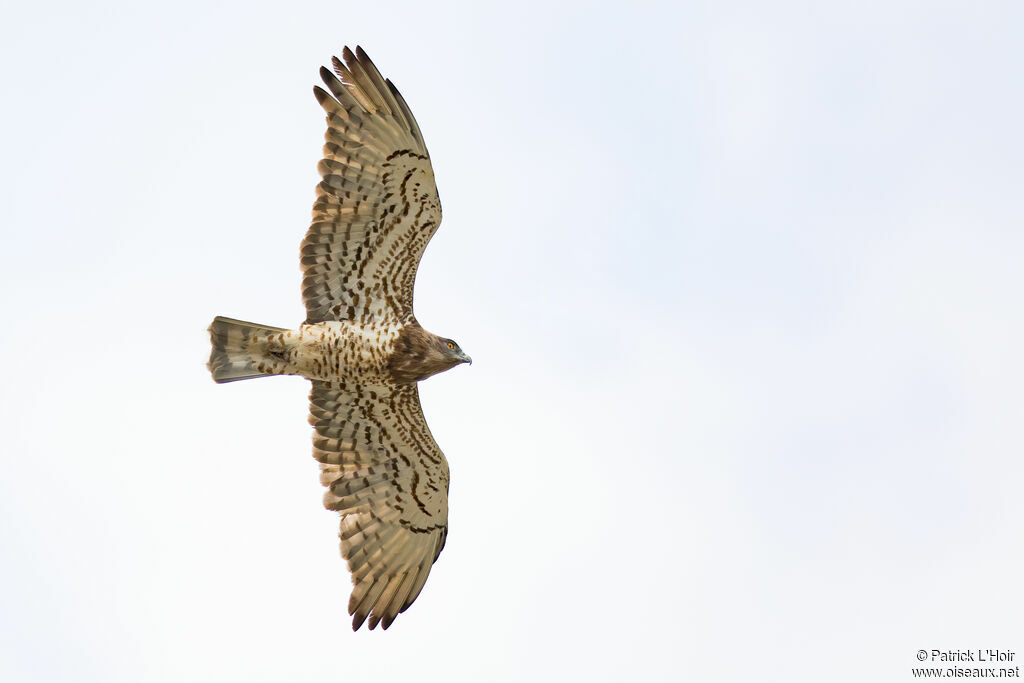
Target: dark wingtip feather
x=362, y=56
x=357, y=620
x=339, y=68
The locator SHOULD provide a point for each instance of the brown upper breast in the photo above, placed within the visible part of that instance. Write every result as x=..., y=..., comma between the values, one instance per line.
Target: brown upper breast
x=415, y=356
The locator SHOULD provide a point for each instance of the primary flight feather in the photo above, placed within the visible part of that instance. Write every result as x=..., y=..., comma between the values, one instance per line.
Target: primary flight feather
x=375, y=210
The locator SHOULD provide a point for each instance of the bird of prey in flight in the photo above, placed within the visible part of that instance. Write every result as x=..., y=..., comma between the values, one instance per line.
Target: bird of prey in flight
x=376, y=208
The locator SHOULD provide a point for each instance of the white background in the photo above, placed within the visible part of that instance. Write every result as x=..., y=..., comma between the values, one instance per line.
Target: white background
x=742, y=283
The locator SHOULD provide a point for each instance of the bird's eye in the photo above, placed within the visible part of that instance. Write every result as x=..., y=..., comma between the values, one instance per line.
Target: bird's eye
x=451, y=346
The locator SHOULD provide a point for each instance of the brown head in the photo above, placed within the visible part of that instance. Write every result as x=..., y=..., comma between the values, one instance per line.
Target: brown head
x=419, y=354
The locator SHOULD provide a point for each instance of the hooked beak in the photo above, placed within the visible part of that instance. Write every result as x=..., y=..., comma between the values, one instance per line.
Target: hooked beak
x=467, y=359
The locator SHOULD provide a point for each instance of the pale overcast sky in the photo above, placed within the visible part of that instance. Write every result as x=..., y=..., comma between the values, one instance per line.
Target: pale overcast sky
x=742, y=283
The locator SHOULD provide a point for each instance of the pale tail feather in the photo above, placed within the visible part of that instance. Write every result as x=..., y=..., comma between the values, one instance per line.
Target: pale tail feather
x=235, y=353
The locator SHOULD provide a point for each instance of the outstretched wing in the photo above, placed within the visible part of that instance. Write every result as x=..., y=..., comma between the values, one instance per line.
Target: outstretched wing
x=377, y=205
x=386, y=476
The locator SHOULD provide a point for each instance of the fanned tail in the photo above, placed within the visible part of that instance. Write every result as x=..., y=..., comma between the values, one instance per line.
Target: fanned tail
x=237, y=353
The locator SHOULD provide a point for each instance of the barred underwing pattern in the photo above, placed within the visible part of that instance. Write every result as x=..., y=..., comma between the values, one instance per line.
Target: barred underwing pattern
x=377, y=205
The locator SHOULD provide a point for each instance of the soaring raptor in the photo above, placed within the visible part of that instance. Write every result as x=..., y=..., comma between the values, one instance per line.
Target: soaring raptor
x=376, y=208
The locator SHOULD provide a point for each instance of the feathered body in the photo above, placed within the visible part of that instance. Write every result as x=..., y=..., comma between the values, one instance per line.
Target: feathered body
x=376, y=209
x=367, y=352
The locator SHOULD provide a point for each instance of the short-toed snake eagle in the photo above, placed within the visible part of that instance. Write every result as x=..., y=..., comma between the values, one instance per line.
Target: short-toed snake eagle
x=375, y=210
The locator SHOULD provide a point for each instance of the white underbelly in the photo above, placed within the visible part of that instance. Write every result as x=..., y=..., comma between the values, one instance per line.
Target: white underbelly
x=342, y=350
